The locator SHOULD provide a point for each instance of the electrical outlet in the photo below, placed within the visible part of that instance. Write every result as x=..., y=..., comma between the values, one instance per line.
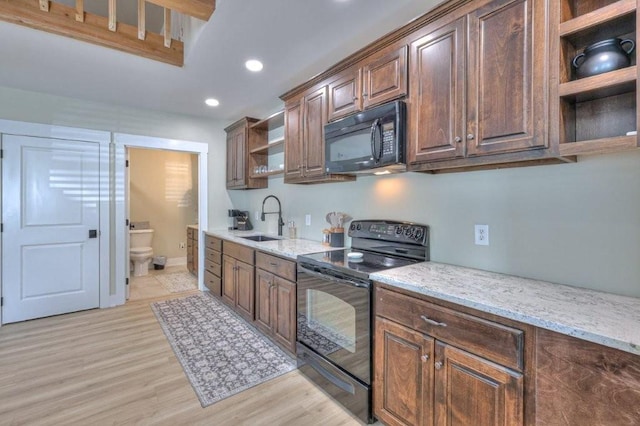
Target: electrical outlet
x=257, y=216
x=307, y=219
x=181, y=245
x=482, y=235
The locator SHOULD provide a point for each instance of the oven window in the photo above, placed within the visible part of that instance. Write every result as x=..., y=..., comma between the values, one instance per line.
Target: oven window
x=331, y=322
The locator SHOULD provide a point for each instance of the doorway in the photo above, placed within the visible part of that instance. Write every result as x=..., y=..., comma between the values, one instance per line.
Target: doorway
x=125, y=145
x=163, y=202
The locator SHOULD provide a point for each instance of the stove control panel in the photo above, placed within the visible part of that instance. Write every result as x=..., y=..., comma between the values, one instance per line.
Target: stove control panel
x=388, y=230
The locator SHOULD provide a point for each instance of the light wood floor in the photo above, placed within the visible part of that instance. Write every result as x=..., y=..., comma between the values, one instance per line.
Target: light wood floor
x=115, y=367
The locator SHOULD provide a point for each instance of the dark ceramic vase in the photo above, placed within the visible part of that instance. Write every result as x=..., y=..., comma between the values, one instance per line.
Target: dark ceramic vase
x=603, y=56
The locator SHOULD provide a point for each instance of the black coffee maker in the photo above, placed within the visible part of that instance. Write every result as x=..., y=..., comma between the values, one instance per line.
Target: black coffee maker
x=241, y=220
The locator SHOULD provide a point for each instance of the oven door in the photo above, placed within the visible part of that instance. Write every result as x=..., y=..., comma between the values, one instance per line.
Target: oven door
x=334, y=319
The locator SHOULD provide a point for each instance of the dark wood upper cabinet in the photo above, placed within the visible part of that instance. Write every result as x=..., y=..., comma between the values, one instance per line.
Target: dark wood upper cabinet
x=239, y=141
x=305, y=117
x=484, y=98
x=437, y=114
x=376, y=80
x=315, y=117
x=506, y=77
x=345, y=94
x=293, y=147
x=385, y=76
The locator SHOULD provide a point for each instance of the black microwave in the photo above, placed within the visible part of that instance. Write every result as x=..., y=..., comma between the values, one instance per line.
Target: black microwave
x=371, y=141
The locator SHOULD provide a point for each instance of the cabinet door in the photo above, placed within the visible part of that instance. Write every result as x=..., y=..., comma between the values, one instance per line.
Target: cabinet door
x=436, y=120
x=293, y=141
x=345, y=94
x=228, y=280
x=245, y=291
x=506, y=73
x=403, y=375
x=240, y=144
x=284, y=313
x=472, y=391
x=231, y=160
x=264, y=284
x=194, y=255
x=385, y=77
x=315, y=117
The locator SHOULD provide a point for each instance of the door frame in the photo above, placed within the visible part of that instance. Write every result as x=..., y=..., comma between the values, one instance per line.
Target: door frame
x=103, y=138
x=121, y=142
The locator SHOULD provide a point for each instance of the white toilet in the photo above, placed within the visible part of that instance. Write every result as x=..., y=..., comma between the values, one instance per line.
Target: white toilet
x=140, y=251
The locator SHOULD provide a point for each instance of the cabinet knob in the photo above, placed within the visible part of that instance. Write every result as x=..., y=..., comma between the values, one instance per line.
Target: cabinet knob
x=458, y=139
x=355, y=98
x=425, y=358
x=364, y=95
x=438, y=365
x=470, y=136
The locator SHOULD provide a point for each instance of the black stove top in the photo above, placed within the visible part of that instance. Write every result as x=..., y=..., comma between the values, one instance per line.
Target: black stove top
x=383, y=244
x=369, y=263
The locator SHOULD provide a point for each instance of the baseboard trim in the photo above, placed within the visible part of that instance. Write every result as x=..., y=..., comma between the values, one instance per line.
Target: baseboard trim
x=176, y=261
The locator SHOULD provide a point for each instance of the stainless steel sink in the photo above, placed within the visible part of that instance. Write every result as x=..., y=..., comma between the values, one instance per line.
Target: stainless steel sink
x=259, y=238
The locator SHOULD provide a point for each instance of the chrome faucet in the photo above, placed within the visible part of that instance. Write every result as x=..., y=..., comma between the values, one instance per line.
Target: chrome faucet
x=279, y=212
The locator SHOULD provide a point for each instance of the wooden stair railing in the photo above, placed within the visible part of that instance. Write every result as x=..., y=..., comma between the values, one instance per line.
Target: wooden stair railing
x=72, y=22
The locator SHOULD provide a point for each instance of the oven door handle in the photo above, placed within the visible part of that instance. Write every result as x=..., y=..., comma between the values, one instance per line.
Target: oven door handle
x=333, y=279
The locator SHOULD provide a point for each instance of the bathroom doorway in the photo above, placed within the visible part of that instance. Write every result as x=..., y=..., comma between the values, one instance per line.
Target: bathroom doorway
x=163, y=187
x=163, y=201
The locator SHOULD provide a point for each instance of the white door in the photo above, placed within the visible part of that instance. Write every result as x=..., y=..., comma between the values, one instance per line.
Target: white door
x=50, y=201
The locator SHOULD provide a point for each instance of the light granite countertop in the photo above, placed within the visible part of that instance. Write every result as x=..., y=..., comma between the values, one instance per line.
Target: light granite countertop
x=284, y=247
x=598, y=317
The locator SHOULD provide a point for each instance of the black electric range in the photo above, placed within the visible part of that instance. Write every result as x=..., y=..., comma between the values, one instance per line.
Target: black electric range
x=334, y=301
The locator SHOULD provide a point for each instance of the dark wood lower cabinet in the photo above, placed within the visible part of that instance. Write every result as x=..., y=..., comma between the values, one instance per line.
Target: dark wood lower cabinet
x=276, y=300
x=586, y=384
x=422, y=380
x=238, y=286
x=470, y=390
x=403, y=386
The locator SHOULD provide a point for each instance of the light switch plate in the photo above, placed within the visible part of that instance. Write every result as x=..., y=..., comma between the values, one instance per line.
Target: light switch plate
x=307, y=219
x=482, y=235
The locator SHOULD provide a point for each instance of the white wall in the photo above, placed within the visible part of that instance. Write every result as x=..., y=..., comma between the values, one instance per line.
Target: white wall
x=576, y=224
x=34, y=107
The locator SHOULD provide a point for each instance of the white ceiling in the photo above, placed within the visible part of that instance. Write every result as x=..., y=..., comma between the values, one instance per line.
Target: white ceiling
x=296, y=39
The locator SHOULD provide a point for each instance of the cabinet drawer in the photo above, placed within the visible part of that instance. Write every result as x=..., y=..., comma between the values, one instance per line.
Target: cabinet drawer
x=488, y=339
x=237, y=251
x=276, y=265
x=189, y=245
x=214, y=268
x=213, y=243
x=213, y=283
x=213, y=256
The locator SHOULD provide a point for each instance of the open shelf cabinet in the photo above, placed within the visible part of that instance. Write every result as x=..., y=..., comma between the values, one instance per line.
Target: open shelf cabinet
x=597, y=112
x=268, y=153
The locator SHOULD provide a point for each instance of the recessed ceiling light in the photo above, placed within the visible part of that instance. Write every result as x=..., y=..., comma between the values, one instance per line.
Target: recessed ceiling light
x=212, y=102
x=253, y=65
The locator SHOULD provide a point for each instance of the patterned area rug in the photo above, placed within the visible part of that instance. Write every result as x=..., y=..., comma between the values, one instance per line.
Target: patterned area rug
x=220, y=353
x=177, y=282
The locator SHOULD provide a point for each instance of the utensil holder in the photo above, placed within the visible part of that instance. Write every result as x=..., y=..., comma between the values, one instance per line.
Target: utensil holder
x=336, y=238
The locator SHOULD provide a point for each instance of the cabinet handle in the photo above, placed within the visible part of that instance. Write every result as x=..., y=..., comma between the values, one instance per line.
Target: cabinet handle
x=432, y=322
x=438, y=365
x=425, y=358
x=273, y=264
x=364, y=95
x=470, y=136
x=355, y=98
x=458, y=139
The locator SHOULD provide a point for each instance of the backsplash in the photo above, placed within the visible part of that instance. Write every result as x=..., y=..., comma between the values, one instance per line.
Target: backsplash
x=575, y=224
